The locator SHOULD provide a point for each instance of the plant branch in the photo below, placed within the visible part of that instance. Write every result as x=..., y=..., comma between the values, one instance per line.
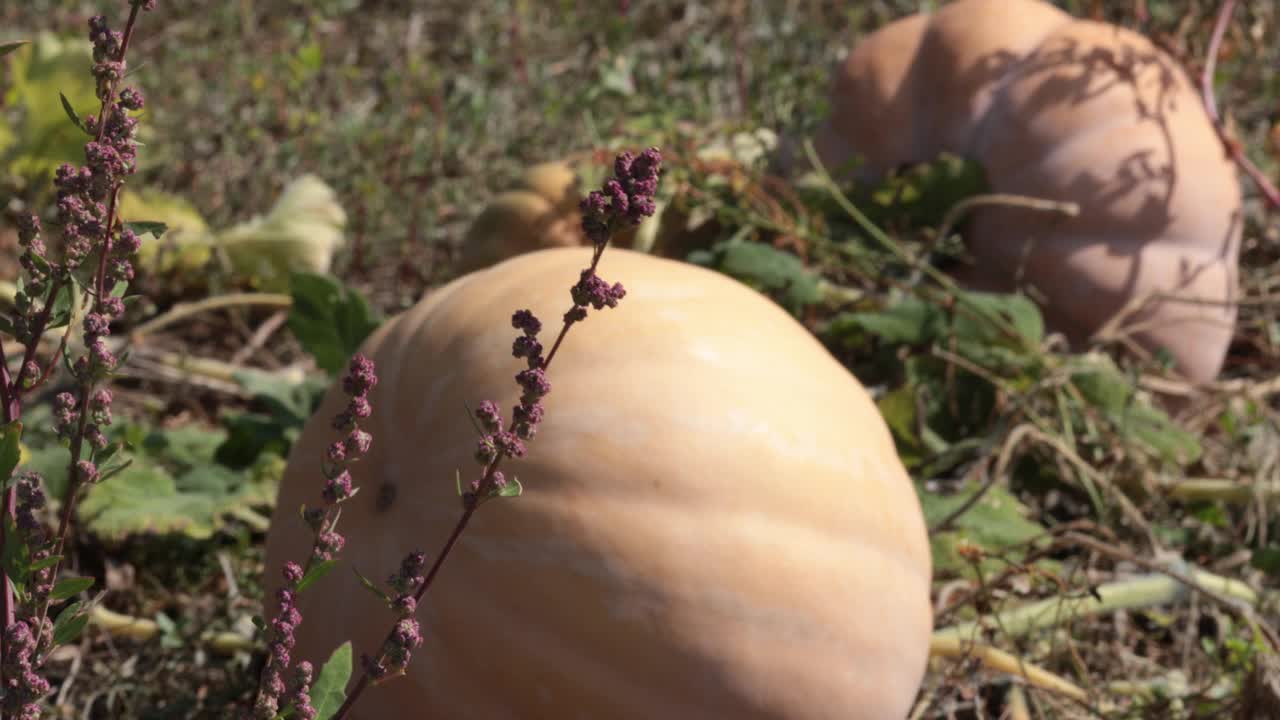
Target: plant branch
x=1226, y=597
x=1234, y=147
x=182, y=311
x=1138, y=592
x=957, y=211
x=1001, y=661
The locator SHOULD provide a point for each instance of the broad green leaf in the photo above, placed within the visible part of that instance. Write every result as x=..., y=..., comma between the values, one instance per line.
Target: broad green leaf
x=284, y=399
x=898, y=407
x=70, y=587
x=10, y=450
x=41, y=138
x=513, y=488
x=45, y=563
x=910, y=321
x=185, y=243
x=1015, y=309
x=1105, y=387
x=252, y=435
x=61, y=314
x=328, y=691
x=766, y=269
x=1267, y=559
x=996, y=522
x=6, y=48
x=316, y=572
x=69, y=624
x=15, y=555
x=146, y=499
x=142, y=227
x=173, y=485
x=330, y=320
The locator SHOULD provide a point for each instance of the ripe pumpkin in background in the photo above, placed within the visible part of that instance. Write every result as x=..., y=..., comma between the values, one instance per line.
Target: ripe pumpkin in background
x=540, y=212
x=515, y=222
x=1068, y=110
x=715, y=521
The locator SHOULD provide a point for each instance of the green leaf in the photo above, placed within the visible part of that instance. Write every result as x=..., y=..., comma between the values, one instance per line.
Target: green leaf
x=36, y=135
x=170, y=638
x=102, y=456
x=10, y=450
x=920, y=195
x=316, y=572
x=61, y=313
x=1015, y=309
x=329, y=319
x=173, y=485
x=70, y=587
x=6, y=48
x=385, y=598
x=14, y=556
x=69, y=624
x=71, y=113
x=107, y=472
x=142, y=227
x=285, y=399
x=513, y=488
x=45, y=563
x=910, y=321
x=766, y=269
x=289, y=405
x=1137, y=421
x=329, y=689
x=996, y=522
x=1267, y=559
x=898, y=408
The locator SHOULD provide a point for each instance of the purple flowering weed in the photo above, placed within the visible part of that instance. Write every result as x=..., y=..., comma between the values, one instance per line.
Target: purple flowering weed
x=625, y=199
x=94, y=259
x=361, y=378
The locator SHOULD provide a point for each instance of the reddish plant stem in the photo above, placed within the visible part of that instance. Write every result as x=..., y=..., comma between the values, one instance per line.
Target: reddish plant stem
x=8, y=395
x=11, y=395
x=134, y=7
x=12, y=410
x=564, y=330
x=99, y=292
x=12, y=392
x=86, y=395
x=471, y=502
x=363, y=682
x=55, y=286
x=1234, y=147
x=100, y=282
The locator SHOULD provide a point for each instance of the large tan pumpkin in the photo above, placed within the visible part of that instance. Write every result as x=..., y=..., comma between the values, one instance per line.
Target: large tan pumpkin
x=1068, y=110
x=715, y=523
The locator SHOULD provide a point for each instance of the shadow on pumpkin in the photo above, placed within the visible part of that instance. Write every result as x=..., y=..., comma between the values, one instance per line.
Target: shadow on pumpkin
x=1084, y=113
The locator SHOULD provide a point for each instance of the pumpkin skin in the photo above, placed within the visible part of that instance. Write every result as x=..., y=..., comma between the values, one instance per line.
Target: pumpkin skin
x=514, y=222
x=557, y=182
x=715, y=521
x=1069, y=110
